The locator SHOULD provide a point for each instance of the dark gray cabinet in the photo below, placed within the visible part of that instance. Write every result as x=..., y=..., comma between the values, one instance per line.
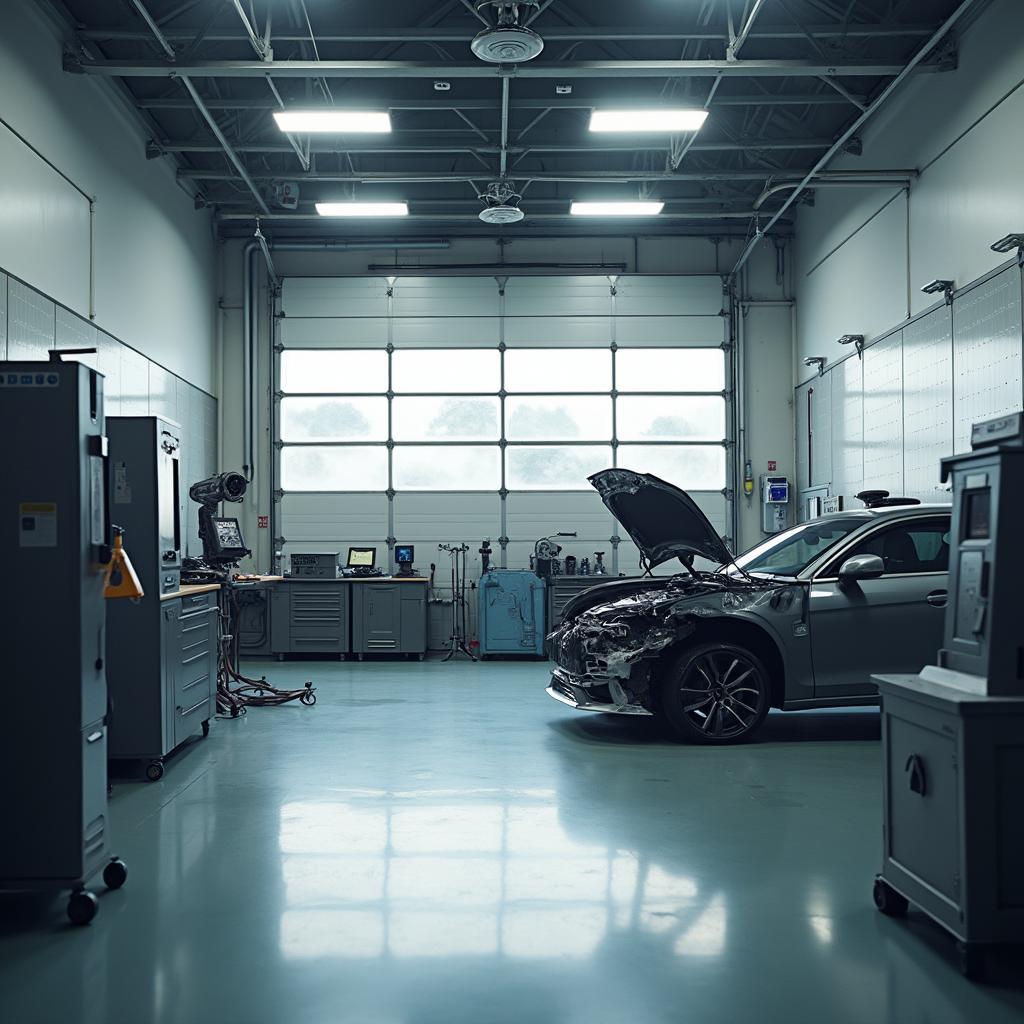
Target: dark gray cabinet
x=389, y=616
x=162, y=669
x=310, y=617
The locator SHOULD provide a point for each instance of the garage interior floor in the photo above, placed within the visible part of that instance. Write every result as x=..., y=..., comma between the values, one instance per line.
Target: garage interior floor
x=438, y=843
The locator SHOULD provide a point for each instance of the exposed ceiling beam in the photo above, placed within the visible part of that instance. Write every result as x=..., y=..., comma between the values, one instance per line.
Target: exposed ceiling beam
x=567, y=33
x=419, y=69
x=467, y=103
x=464, y=147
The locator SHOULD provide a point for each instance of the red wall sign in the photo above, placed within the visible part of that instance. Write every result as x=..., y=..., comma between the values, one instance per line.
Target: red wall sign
x=263, y=522
x=772, y=467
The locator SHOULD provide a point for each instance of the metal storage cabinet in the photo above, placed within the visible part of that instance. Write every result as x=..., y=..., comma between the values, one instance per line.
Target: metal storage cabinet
x=53, y=524
x=254, y=602
x=169, y=652
x=310, y=617
x=389, y=616
x=512, y=612
x=953, y=834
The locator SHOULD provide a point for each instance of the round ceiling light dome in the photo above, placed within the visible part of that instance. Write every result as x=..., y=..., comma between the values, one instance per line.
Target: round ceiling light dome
x=507, y=44
x=501, y=214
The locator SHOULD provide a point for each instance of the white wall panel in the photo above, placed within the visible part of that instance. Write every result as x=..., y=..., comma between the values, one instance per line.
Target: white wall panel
x=3, y=316
x=163, y=394
x=441, y=296
x=334, y=296
x=44, y=224
x=556, y=331
x=927, y=403
x=31, y=322
x=330, y=332
x=669, y=330
x=134, y=383
x=643, y=295
x=73, y=332
x=801, y=417
x=986, y=353
x=534, y=515
x=848, y=428
x=883, y=415
x=557, y=296
x=821, y=430
x=110, y=366
x=449, y=331
x=308, y=518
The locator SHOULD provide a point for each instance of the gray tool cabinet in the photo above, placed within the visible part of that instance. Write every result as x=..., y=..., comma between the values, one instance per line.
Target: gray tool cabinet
x=309, y=617
x=178, y=652
x=953, y=835
x=389, y=616
x=562, y=589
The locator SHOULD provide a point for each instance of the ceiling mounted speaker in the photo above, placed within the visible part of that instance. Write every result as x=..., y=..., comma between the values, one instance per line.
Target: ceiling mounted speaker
x=507, y=44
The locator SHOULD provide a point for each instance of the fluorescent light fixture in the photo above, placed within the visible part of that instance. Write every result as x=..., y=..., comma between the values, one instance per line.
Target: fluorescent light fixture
x=652, y=120
x=362, y=209
x=302, y=122
x=628, y=209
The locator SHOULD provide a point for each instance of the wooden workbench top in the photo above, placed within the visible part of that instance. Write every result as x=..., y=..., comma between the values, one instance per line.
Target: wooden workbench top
x=188, y=589
x=336, y=579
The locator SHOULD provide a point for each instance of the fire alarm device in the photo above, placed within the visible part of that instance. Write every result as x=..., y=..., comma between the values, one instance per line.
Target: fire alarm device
x=263, y=522
x=772, y=465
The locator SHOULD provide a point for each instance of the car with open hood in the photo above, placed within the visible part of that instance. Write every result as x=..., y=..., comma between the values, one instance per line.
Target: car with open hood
x=799, y=621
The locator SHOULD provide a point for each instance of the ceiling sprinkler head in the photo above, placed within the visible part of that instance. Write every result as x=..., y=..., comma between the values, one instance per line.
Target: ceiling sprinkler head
x=501, y=204
x=508, y=42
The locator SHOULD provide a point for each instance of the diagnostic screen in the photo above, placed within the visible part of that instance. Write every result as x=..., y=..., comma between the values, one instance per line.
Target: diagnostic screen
x=778, y=493
x=404, y=554
x=361, y=556
x=229, y=534
x=977, y=515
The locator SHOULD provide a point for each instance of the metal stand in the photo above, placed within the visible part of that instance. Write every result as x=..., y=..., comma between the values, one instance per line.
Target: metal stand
x=457, y=641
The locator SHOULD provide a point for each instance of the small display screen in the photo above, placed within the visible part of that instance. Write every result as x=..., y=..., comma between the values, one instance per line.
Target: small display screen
x=404, y=554
x=361, y=557
x=977, y=515
x=778, y=494
x=229, y=534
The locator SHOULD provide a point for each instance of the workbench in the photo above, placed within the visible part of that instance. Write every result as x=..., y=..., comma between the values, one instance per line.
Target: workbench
x=348, y=615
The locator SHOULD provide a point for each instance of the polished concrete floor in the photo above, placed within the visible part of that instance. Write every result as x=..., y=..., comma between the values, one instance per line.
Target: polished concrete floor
x=437, y=844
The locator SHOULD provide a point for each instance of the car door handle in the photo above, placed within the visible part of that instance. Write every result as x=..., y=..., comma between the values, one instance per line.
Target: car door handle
x=938, y=598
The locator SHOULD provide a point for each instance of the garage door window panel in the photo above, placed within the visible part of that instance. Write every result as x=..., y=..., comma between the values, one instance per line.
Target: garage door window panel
x=446, y=370
x=558, y=418
x=334, y=371
x=325, y=468
x=447, y=467
x=669, y=418
x=334, y=419
x=664, y=369
x=446, y=418
x=554, y=370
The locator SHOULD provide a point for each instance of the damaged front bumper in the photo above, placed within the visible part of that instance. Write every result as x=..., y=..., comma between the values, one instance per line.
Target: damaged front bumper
x=573, y=690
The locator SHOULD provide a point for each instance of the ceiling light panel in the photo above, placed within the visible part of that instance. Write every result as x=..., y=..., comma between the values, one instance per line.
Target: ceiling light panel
x=624, y=209
x=355, y=122
x=653, y=120
x=362, y=209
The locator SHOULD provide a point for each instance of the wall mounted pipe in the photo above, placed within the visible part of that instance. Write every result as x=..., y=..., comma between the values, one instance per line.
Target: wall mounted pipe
x=334, y=245
x=876, y=181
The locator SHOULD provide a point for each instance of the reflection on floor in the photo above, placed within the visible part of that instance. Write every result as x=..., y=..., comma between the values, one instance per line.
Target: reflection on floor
x=443, y=843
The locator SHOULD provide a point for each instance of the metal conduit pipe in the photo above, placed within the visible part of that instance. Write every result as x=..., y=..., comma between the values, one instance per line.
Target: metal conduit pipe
x=836, y=182
x=250, y=306
x=334, y=245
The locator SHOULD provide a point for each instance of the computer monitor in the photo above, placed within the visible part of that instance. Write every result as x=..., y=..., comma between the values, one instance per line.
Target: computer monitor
x=405, y=554
x=361, y=558
x=227, y=539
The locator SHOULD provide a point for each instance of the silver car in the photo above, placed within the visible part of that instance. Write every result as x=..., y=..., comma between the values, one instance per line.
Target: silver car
x=800, y=621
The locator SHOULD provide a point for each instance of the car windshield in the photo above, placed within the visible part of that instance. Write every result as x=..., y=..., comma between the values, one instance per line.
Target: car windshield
x=788, y=553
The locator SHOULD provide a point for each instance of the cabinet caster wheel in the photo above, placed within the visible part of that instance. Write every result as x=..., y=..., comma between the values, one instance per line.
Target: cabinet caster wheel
x=308, y=698
x=972, y=960
x=82, y=907
x=888, y=900
x=206, y=728
x=115, y=874
x=154, y=771
x=359, y=656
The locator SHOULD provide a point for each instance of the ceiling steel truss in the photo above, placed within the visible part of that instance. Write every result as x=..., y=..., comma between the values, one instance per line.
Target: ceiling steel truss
x=787, y=84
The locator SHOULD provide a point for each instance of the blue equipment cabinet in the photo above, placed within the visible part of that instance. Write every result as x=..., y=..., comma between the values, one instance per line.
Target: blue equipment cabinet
x=512, y=607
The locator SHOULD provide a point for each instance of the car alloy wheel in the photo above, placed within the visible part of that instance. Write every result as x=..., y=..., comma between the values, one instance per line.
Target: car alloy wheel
x=715, y=693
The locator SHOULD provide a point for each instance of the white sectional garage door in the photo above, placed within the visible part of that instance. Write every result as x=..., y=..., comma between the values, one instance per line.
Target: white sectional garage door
x=394, y=393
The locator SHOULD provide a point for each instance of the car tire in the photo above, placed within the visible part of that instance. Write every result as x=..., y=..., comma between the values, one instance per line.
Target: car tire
x=738, y=690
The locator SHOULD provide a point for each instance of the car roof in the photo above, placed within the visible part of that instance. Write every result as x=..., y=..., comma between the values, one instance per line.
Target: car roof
x=930, y=508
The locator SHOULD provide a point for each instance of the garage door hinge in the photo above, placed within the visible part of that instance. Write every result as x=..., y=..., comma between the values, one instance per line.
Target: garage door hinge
x=615, y=540
x=503, y=541
x=390, y=492
x=390, y=542
x=278, y=445
x=728, y=493
x=503, y=493
x=279, y=347
x=278, y=494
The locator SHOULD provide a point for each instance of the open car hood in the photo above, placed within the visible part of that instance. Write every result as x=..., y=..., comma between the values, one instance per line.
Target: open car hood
x=663, y=521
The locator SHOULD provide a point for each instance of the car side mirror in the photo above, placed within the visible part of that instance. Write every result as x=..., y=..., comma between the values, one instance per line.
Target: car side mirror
x=861, y=567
